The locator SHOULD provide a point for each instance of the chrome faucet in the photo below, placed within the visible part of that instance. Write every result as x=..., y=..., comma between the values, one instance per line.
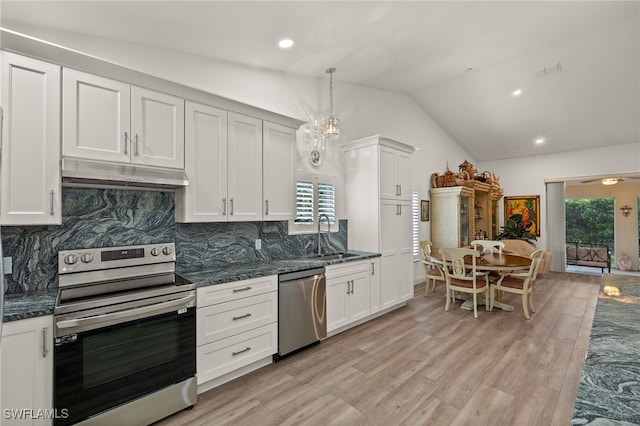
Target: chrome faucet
x=328, y=230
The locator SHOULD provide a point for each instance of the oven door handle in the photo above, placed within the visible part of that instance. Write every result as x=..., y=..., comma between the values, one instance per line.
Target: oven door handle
x=117, y=317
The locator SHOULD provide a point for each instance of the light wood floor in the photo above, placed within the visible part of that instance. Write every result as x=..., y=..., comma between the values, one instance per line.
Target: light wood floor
x=424, y=366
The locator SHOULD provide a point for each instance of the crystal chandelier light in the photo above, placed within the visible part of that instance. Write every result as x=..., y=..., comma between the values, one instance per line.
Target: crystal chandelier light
x=331, y=126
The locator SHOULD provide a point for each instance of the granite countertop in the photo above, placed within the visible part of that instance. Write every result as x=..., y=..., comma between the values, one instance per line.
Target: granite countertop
x=243, y=271
x=609, y=391
x=31, y=304
x=38, y=303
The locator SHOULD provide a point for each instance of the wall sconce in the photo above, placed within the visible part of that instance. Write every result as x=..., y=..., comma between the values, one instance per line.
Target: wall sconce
x=626, y=210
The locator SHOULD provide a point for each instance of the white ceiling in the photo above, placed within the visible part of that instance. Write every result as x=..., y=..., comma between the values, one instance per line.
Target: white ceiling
x=459, y=60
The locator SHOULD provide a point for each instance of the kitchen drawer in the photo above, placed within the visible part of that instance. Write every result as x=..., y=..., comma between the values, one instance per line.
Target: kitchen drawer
x=347, y=268
x=220, y=293
x=223, y=320
x=226, y=355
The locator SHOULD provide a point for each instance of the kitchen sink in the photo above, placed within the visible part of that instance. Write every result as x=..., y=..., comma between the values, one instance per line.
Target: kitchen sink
x=333, y=256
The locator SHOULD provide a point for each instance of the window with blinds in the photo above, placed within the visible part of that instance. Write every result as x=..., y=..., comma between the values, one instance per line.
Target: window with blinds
x=415, y=204
x=304, y=202
x=327, y=201
x=314, y=199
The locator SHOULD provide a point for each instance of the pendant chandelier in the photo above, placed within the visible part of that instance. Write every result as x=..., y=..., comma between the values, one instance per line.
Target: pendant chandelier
x=331, y=126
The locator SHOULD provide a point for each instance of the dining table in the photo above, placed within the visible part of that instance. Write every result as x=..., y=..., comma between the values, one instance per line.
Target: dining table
x=491, y=262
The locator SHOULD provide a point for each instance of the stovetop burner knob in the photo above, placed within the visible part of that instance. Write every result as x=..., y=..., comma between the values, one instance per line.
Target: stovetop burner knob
x=155, y=251
x=70, y=259
x=167, y=251
x=86, y=258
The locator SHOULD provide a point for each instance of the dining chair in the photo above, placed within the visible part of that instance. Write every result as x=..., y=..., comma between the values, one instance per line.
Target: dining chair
x=463, y=277
x=432, y=271
x=495, y=246
x=520, y=283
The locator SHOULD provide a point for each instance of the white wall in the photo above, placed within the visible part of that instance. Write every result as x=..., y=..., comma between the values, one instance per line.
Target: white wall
x=526, y=175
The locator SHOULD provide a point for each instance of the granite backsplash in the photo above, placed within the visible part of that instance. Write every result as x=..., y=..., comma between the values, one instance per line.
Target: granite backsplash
x=116, y=217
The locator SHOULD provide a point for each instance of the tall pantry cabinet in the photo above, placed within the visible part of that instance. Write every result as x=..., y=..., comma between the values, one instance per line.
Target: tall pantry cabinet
x=378, y=203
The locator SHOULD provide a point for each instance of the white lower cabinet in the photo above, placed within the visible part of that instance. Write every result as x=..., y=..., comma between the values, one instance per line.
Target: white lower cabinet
x=27, y=371
x=237, y=329
x=348, y=293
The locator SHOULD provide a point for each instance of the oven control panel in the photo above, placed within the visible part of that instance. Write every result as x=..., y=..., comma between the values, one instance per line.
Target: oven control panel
x=93, y=259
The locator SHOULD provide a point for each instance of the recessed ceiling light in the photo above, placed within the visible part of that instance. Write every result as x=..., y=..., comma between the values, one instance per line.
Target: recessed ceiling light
x=517, y=92
x=540, y=141
x=285, y=43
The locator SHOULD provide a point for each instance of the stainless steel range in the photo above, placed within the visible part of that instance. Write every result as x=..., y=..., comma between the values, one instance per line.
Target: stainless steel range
x=124, y=336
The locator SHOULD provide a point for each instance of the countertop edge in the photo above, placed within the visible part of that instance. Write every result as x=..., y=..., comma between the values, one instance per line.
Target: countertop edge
x=19, y=306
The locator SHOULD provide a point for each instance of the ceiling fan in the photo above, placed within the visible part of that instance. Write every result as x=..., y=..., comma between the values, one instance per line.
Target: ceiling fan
x=610, y=180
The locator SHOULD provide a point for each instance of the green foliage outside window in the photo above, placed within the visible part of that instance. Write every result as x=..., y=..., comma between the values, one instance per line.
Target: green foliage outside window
x=590, y=221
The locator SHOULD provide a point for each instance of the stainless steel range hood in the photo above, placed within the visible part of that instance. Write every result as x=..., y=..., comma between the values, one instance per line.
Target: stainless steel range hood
x=97, y=174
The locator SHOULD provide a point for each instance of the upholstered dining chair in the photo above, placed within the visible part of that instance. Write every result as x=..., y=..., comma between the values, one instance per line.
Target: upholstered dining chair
x=520, y=283
x=464, y=277
x=495, y=246
x=432, y=271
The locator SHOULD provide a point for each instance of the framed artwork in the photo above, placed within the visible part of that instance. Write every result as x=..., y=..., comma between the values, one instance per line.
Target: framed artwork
x=523, y=212
x=424, y=210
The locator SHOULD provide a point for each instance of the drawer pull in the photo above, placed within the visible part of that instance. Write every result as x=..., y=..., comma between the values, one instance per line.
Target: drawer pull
x=238, y=290
x=247, y=349
x=242, y=316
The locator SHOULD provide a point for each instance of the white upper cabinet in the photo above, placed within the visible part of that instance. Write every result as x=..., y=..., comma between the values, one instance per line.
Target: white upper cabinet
x=240, y=168
x=30, y=192
x=205, y=198
x=279, y=168
x=244, y=173
x=157, y=129
x=108, y=120
x=395, y=174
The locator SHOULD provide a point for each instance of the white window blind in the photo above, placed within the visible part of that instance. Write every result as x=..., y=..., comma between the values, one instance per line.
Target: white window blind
x=304, y=202
x=327, y=201
x=314, y=199
x=415, y=204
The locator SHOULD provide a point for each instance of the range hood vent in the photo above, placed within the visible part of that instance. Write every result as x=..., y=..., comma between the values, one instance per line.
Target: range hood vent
x=97, y=174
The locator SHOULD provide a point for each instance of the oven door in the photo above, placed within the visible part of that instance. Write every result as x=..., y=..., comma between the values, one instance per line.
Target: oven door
x=105, y=367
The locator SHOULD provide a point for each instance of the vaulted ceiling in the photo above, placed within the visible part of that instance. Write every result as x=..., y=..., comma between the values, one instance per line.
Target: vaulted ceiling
x=577, y=63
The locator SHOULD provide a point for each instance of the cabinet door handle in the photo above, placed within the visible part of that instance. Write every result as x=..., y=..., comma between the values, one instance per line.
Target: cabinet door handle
x=224, y=207
x=45, y=351
x=137, y=144
x=242, y=351
x=373, y=268
x=247, y=315
x=51, y=202
x=231, y=206
x=266, y=207
x=126, y=142
x=398, y=190
x=348, y=287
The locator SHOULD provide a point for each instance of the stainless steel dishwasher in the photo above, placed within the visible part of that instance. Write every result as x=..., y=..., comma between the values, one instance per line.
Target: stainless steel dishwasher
x=302, y=310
